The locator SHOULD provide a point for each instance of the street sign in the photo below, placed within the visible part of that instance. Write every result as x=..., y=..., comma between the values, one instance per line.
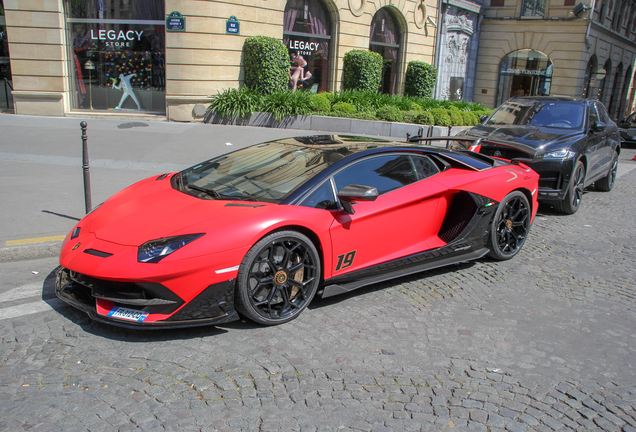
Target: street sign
x=175, y=22
x=232, y=26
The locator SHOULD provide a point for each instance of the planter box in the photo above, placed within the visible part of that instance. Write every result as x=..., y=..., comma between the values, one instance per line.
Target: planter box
x=338, y=125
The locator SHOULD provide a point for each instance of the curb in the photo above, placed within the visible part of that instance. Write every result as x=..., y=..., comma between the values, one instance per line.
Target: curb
x=32, y=251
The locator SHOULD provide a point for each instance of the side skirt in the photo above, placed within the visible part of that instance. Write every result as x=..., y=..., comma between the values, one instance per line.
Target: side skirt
x=336, y=289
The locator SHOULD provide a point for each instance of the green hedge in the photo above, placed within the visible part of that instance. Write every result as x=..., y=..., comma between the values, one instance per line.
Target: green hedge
x=390, y=113
x=420, y=79
x=320, y=102
x=344, y=107
x=441, y=117
x=362, y=70
x=266, y=64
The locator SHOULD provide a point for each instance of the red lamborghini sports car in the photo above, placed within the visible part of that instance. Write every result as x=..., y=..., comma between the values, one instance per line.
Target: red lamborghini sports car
x=260, y=231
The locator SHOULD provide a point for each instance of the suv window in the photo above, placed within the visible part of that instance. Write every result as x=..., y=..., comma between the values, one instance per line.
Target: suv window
x=602, y=113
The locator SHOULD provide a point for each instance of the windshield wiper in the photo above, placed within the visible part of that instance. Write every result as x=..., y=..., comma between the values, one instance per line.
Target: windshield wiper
x=211, y=192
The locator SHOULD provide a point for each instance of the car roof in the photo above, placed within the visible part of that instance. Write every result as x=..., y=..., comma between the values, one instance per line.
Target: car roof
x=550, y=98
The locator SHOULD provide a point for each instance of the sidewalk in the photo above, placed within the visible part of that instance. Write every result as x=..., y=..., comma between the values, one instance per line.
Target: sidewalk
x=41, y=177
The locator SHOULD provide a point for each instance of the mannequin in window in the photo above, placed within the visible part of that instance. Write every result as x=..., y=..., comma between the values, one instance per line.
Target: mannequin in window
x=297, y=73
x=124, y=84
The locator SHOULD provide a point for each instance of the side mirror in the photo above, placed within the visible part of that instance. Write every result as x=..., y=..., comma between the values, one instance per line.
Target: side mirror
x=354, y=192
x=483, y=118
x=598, y=126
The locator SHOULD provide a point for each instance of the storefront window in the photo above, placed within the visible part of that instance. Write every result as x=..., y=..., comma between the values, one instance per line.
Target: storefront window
x=385, y=40
x=6, y=100
x=117, y=54
x=524, y=73
x=307, y=35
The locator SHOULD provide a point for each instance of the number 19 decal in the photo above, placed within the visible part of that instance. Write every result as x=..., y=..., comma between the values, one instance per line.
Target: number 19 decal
x=345, y=260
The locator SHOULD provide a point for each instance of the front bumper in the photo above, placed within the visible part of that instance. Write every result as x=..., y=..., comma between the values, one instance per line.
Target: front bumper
x=554, y=178
x=97, y=297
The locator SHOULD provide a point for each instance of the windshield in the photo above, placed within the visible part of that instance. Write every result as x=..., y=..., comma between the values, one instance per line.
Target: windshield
x=266, y=172
x=552, y=114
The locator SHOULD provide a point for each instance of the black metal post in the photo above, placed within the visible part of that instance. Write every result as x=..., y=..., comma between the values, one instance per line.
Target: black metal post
x=86, y=169
x=6, y=93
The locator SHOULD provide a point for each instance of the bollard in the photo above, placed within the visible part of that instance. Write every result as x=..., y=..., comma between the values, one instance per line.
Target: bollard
x=86, y=169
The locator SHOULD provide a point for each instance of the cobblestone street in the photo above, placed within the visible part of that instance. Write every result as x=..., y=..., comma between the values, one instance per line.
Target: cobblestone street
x=543, y=342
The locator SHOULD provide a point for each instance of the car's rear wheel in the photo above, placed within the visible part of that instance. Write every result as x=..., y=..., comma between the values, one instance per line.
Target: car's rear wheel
x=510, y=226
x=607, y=183
x=574, y=195
x=277, y=278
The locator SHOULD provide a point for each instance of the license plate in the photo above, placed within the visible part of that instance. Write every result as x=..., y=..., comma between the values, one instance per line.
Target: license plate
x=128, y=314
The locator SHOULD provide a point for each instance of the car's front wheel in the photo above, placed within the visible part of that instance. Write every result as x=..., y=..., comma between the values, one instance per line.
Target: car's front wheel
x=510, y=226
x=572, y=200
x=277, y=278
x=607, y=183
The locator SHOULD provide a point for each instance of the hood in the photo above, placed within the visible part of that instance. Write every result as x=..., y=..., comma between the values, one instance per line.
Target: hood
x=152, y=209
x=535, y=137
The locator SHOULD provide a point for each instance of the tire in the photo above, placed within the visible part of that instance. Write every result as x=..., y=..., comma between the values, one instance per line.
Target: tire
x=607, y=183
x=278, y=278
x=510, y=226
x=574, y=195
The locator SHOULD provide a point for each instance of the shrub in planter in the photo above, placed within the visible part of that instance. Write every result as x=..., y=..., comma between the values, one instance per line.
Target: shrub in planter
x=343, y=107
x=470, y=119
x=390, y=113
x=440, y=117
x=266, y=64
x=362, y=70
x=286, y=103
x=455, y=117
x=420, y=79
x=410, y=116
x=425, y=118
x=320, y=102
x=233, y=103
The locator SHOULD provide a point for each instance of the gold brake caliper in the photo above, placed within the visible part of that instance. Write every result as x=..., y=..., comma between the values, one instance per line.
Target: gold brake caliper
x=298, y=277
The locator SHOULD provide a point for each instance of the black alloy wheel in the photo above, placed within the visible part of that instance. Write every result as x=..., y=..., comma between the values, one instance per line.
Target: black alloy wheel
x=574, y=195
x=278, y=278
x=510, y=226
x=607, y=183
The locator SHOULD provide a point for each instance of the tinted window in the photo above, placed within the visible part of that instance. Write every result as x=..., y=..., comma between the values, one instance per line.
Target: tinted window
x=321, y=198
x=594, y=117
x=385, y=173
x=556, y=114
x=602, y=114
x=424, y=167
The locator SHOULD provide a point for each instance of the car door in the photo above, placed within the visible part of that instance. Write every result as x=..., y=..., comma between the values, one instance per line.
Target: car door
x=612, y=139
x=596, y=141
x=398, y=223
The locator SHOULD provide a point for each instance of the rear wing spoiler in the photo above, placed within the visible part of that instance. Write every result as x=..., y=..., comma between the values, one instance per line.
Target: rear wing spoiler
x=517, y=152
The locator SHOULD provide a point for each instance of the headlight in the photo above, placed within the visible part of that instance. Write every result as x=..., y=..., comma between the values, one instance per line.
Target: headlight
x=560, y=154
x=156, y=250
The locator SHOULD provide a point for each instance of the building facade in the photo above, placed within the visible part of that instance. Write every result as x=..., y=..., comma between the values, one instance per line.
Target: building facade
x=165, y=56
x=558, y=47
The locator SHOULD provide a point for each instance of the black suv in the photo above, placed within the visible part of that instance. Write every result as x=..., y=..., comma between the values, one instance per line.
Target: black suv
x=571, y=143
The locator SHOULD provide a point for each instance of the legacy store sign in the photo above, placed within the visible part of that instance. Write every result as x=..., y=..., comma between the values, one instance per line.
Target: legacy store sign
x=302, y=47
x=117, y=39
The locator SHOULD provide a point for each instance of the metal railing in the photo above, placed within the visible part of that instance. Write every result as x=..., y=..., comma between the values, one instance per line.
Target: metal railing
x=7, y=86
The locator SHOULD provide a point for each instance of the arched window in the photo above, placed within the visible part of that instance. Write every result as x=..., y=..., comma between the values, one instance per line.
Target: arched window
x=524, y=73
x=590, y=77
x=603, y=86
x=614, y=96
x=385, y=38
x=623, y=98
x=307, y=34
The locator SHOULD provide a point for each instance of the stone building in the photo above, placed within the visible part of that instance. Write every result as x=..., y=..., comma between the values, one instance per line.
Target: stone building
x=558, y=47
x=165, y=56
